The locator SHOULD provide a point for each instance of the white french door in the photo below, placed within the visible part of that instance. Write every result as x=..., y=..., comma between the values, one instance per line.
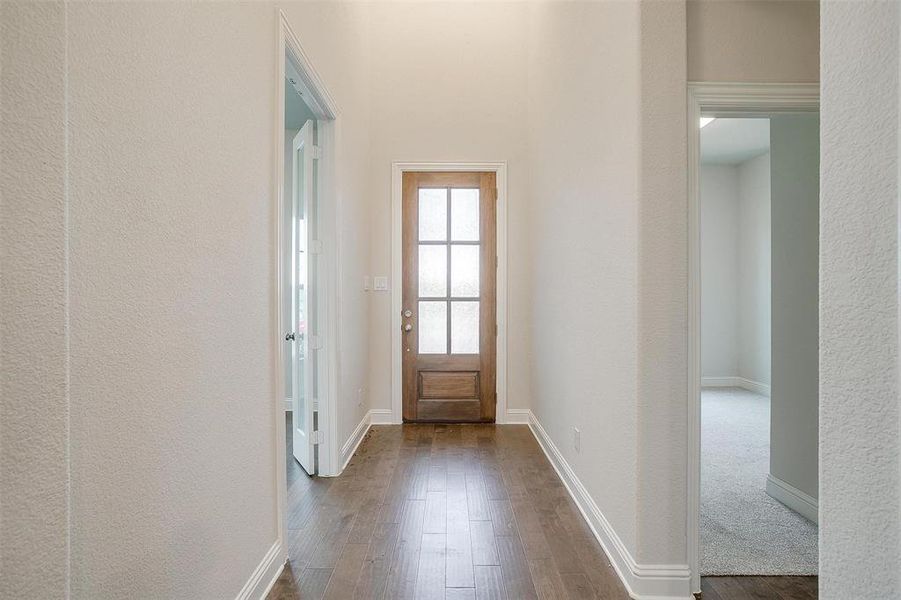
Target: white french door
x=302, y=276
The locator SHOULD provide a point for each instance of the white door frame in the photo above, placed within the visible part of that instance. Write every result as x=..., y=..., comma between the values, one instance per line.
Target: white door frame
x=397, y=171
x=717, y=100
x=324, y=107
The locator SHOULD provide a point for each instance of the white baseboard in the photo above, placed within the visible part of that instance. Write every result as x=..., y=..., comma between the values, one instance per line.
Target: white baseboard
x=265, y=575
x=381, y=416
x=719, y=382
x=353, y=442
x=754, y=386
x=739, y=382
x=518, y=416
x=803, y=504
x=376, y=416
x=643, y=582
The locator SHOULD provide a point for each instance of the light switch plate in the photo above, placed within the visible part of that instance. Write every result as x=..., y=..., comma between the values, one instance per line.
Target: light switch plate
x=380, y=283
x=367, y=283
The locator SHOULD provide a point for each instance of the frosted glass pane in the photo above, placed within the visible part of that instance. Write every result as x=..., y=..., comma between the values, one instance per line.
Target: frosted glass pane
x=432, y=215
x=465, y=271
x=433, y=327
x=465, y=215
x=432, y=270
x=464, y=327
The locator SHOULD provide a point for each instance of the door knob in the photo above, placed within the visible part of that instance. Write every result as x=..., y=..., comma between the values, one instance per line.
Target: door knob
x=408, y=327
x=289, y=337
x=408, y=313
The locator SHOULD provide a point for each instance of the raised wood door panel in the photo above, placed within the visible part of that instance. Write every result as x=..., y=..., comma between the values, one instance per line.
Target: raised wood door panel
x=449, y=342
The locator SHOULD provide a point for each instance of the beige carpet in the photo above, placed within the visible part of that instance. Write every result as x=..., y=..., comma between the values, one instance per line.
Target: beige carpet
x=743, y=530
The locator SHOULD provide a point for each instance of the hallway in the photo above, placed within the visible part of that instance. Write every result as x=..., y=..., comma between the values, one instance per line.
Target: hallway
x=441, y=511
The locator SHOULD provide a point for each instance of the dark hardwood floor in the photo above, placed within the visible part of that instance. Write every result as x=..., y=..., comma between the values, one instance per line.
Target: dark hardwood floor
x=441, y=511
x=457, y=512
x=777, y=588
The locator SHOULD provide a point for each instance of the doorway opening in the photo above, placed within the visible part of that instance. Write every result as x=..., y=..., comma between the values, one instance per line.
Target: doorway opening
x=754, y=240
x=306, y=419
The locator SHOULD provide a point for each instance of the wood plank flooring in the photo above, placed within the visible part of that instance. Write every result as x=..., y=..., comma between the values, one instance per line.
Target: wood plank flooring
x=457, y=512
x=441, y=512
x=753, y=588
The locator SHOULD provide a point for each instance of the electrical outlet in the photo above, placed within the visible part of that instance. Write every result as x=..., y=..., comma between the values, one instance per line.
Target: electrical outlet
x=577, y=440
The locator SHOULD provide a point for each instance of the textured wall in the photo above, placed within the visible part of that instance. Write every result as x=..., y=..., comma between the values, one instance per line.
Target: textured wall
x=794, y=402
x=662, y=238
x=754, y=270
x=33, y=318
x=720, y=233
x=583, y=246
x=140, y=264
x=860, y=441
x=753, y=40
x=449, y=85
x=735, y=270
x=171, y=226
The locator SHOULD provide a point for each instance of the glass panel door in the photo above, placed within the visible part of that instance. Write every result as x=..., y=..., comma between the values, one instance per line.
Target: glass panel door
x=448, y=313
x=303, y=198
x=448, y=270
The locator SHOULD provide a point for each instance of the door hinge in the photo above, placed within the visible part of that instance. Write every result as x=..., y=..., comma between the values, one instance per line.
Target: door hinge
x=315, y=342
x=317, y=152
x=317, y=437
x=316, y=247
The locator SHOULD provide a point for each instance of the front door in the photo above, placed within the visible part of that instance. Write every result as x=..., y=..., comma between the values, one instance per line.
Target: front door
x=449, y=280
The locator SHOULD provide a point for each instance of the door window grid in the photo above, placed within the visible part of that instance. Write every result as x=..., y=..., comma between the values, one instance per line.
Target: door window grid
x=461, y=220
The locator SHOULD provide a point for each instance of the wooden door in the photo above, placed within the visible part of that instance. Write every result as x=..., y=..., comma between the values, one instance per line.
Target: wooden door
x=449, y=306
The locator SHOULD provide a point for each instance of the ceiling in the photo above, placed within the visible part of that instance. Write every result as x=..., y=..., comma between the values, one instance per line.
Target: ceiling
x=733, y=141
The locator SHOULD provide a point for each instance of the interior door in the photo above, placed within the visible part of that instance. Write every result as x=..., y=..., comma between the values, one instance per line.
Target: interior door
x=449, y=306
x=302, y=197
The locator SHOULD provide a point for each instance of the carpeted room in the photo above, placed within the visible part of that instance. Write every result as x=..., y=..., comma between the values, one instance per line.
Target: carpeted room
x=758, y=347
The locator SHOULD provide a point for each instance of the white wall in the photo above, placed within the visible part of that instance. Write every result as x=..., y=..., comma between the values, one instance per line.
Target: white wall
x=761, y=41
x=754, y=314
x=735, y=271
x=860, y=441
x=662, y=291
x=171, y=355
x=794, y=402
x=720, y=270
x=34, y=435
x=449, y=85
x=138, y=290
x=601, y=72
x=584, y=282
